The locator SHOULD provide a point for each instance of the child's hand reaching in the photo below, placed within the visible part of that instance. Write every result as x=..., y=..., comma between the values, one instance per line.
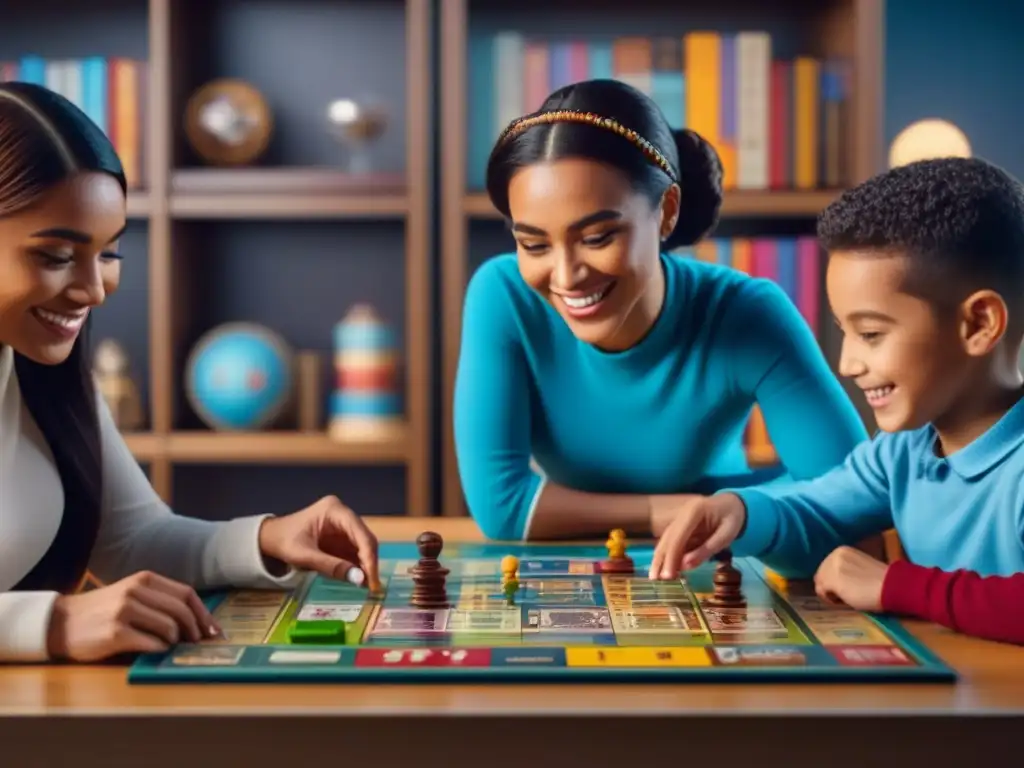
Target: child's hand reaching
x=703, y=527
x=851, y=577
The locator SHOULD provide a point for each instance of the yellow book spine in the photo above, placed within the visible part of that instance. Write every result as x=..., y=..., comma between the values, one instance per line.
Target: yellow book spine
x=807, y=139
x=706, y=250
x=127, y=116
x=702, y=65
x=742, y=255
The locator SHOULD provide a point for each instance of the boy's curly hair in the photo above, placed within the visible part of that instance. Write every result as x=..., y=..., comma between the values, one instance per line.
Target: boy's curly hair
x=959, y=221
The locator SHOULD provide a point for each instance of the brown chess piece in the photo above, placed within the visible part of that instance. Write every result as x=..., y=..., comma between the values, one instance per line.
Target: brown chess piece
x=428, y=575
x=728, y=581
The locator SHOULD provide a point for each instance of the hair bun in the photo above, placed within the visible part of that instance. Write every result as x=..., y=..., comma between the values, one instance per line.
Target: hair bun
x=700, y=179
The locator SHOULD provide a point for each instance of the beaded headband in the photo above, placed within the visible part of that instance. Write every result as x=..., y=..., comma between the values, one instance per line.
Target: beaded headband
x=589, y=118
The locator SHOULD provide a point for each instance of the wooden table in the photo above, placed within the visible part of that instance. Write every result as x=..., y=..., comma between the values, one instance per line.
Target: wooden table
x=56, y=716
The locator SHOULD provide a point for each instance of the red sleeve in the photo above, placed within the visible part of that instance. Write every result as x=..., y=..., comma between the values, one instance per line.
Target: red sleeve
x=988, y=607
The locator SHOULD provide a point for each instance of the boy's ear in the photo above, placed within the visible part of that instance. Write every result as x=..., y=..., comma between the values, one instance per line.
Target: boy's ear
x=983, y=319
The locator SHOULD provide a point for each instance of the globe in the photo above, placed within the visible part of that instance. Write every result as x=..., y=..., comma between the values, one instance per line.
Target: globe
x=239, y=377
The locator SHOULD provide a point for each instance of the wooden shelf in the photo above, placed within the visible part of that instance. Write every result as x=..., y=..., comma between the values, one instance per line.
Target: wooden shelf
x=145, y=446
x=767, y=204
x=204, y=193
x=279, y=448
x=138, y=205
x=309, y=448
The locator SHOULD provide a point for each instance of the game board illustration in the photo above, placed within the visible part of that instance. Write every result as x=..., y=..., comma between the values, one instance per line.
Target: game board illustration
x=497, y=612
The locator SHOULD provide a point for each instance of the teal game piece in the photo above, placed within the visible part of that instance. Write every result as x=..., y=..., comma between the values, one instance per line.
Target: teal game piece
x=330, y=632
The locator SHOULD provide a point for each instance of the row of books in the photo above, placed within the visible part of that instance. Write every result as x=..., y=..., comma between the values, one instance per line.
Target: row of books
x=111, y=91
x=792, y=262
x=777, y=124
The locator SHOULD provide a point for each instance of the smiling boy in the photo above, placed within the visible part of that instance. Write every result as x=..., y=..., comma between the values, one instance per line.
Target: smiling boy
x=926, y=282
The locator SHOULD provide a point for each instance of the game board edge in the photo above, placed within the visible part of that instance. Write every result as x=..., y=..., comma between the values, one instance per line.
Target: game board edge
x=490, y=674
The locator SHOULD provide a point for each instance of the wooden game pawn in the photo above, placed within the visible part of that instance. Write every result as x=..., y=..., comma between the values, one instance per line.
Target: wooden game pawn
x=618, y=565
x=428, y=575
x=429, y=587
x=728, y=581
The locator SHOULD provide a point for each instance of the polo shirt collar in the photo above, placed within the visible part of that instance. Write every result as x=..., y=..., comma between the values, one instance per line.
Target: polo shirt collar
x=991, y=447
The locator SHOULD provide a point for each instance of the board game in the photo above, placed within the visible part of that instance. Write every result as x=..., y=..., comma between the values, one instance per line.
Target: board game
x=509, y=613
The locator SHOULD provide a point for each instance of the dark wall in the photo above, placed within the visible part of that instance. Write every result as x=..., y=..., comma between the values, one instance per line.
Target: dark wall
x=958, y=60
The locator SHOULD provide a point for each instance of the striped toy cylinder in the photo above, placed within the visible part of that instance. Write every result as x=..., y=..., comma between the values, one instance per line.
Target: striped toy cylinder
x=365, y=403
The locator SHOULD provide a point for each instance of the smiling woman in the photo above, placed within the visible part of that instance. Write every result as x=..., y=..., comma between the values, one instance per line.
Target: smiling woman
x=626, y=374
x=72, y=496
x=48, y=214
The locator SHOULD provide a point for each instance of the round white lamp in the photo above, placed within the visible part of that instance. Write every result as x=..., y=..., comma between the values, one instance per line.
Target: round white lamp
x=928, y=139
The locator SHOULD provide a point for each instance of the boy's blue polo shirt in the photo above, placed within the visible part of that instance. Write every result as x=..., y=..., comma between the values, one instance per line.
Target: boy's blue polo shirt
x=964, y=511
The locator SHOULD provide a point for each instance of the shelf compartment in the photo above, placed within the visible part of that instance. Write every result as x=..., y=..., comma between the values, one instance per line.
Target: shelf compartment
x=205, y=193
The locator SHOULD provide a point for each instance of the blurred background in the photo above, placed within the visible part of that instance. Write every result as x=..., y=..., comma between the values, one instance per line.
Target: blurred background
x=306, y=200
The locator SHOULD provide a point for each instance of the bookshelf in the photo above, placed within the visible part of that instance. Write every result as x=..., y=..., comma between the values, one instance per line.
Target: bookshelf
x=471, y=230
x=292, y=243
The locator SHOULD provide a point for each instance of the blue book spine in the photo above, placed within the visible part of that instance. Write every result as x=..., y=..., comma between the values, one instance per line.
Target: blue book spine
x=33, y=70
x=480, y=109
x=601, y=67
x=560, y=63
x=787, y=267
x=94, y=91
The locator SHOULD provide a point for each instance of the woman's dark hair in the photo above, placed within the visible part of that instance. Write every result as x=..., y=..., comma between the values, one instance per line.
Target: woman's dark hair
x=44, y=139
x=694, y=162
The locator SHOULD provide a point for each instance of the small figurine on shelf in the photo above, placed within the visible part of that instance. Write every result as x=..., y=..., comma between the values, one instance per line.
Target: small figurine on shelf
x=111, y=372
x=510, y=578
x=365, y=404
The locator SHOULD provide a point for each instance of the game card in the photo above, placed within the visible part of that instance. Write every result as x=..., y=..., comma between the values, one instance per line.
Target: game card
x=410, y=621
x=207, y=656
x=498, y=620
x=845, y=628
x=814, y=604
x=660, y=618
x=743, y=620
x=330, y=612
x=558, y=586
x=565, y=592
x=246, y=618
x=569, y=619
x=554, y=567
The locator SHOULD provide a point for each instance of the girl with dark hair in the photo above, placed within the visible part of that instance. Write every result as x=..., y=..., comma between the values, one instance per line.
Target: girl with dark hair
x=626, y=374
x=72, y=497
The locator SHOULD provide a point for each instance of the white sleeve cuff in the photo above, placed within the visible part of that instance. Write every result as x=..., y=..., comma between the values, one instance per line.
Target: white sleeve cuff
x=234, y=557
x=24, y=625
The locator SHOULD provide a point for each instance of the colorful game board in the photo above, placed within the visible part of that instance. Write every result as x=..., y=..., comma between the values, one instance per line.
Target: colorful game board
x=569, y=620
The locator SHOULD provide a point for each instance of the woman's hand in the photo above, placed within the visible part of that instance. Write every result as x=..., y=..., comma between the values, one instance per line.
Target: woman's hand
x=143, y=613
x=326, y=537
